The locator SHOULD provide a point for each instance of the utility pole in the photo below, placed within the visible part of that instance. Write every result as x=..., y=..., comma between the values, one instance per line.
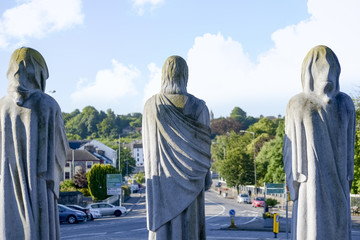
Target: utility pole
x=119, y=154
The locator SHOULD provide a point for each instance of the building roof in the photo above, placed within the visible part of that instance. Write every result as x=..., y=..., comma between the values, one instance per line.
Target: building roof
x=76, y=144
x=104, y=158
x=81, y=155
x=137, y=145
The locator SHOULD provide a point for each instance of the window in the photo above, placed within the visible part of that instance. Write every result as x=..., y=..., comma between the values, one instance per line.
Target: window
x=88, y=164
x=67, y=175
x=67, y=164
x=137, y=159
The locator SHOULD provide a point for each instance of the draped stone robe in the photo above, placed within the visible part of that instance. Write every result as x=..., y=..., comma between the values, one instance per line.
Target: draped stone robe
x=176, y=137
x=33, y=148
x=319, y=165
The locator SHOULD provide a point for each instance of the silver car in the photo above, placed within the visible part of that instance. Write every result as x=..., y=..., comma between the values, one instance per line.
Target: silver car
x=106, y=209
x=243, y=198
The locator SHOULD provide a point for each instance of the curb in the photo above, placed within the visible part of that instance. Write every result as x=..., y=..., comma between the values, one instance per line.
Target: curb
x=132, y=206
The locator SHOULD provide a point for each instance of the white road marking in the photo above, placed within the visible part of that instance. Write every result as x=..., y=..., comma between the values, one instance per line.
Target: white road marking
x=222, y=212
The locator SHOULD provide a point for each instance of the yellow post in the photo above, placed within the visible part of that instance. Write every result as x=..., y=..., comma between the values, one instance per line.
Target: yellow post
x=276, y=224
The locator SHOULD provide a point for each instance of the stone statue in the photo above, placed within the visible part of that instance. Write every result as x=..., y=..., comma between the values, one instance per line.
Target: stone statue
x=33, y=148
x=176, y=140
x=319, y=151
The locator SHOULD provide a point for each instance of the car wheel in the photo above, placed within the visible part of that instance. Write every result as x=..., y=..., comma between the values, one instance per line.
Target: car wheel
x=117, y=213
x=71, y=219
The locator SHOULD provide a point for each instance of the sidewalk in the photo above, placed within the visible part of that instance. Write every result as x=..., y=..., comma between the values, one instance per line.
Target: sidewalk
x=132, y=201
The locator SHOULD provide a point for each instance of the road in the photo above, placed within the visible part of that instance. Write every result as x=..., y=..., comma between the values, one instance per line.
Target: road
x=133, y=225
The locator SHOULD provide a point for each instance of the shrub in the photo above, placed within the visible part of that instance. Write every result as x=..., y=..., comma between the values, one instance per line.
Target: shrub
x=126, y=190
x=67, y=186
x=271, y=202
x=97, y=180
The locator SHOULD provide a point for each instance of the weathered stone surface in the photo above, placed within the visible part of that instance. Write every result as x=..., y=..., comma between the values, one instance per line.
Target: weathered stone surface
x=176, y=140
x=33, y=147
x=319, y=151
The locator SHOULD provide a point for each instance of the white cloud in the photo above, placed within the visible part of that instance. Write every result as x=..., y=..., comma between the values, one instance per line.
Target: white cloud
x=36, y=18
x=222, y=74
x=142, y=5
x=110, y=85
x=154, y=84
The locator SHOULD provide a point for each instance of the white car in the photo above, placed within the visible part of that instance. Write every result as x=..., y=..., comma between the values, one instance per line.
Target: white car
x=243, y=198
x=106, y=209
x=94, y=213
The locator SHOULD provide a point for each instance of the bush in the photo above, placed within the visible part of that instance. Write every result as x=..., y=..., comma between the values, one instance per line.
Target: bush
x=68, y=186
x=126, y=190
x=85, y=192
x=97, y=180
x=271, y=202
x=268, y=215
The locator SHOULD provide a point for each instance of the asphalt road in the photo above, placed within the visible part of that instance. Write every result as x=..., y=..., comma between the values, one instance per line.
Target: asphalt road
x=133, y=225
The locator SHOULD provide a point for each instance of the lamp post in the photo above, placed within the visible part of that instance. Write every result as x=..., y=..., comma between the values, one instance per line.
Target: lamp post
x=243, y=131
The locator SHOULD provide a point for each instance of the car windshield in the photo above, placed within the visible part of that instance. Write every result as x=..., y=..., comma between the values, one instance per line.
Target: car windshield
x=259, y=199
x=244, y=195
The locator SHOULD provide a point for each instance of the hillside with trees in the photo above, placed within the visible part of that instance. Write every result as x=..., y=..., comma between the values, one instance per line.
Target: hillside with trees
x=233, y=147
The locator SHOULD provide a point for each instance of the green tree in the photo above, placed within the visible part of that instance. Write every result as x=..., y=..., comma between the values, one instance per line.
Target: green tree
x=127, y=162
x=269, y=161
x=238, y=115
x=236, y=167
x=140, y=177
x=97, y=180
x=264, y=125
x=356, y=183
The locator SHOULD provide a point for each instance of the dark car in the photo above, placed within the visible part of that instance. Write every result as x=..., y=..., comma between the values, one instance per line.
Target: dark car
x=71, y=216
x=84, y=210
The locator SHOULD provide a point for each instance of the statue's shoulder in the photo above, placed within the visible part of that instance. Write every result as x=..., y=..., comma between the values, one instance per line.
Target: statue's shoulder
x=297, y=101
x=44, y=99
x=150, y=102
x=345, y=100
x=196, y=101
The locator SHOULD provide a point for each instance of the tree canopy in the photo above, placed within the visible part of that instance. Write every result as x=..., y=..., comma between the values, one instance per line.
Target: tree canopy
x=91, y=123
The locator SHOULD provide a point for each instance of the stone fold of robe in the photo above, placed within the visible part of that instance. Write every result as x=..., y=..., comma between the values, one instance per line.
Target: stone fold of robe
x=177, y=158
x=33, y=148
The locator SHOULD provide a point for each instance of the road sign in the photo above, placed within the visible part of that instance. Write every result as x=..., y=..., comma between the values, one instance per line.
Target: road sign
x=274, y=187
x=113, y=184
x=232, y=212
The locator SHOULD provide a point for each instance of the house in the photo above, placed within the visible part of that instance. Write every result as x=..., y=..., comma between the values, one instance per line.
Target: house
x=138, y=154
x=76, y=159
x=98, y=149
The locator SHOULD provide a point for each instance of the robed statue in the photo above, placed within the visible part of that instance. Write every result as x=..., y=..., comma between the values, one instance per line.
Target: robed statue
x=33, y=148
x=319, y=151
x=176, y=141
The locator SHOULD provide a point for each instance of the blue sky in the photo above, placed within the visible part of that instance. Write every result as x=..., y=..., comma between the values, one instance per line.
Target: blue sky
x=244, y=53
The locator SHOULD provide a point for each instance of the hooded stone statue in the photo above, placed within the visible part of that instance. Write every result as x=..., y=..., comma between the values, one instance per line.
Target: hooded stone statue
x=33, y=148
x=176, y=140
x=319, y=151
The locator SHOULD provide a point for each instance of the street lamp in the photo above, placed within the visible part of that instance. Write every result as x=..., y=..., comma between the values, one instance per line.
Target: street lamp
x=243, y=131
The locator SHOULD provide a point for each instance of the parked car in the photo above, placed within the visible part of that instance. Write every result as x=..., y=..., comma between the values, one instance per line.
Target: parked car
x=134, y=188
x=258, y=202
x=106, y=209
x=91, y=213
x=71, y=216
x=243, y=198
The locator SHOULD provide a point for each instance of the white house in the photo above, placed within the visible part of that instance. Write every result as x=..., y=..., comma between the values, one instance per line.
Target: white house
x=138, y=154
